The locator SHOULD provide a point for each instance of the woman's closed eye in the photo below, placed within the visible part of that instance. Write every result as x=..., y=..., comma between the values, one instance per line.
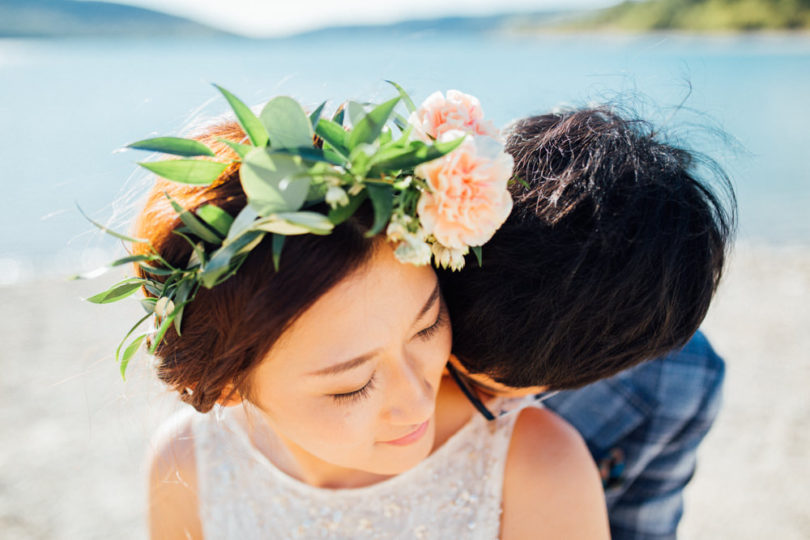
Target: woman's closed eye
x=360, y=393
x=431, y=330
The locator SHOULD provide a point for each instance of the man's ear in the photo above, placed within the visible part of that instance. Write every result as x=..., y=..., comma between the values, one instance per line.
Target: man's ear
x=229, y=396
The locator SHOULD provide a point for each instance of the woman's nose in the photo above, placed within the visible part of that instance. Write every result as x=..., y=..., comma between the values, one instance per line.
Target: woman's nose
x=410, y=394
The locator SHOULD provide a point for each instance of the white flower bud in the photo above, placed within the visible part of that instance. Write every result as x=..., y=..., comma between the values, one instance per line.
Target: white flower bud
x=164, y=307
x=413, y=250
x=336, y=196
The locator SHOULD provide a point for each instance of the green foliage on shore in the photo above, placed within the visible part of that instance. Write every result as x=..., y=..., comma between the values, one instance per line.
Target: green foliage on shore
x=701, y=16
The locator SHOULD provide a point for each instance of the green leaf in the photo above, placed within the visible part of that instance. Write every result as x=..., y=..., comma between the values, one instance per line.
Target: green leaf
x=342, y=213
x=310, y=153
x=338, y=116
x=286, y=123
x=221, y=260
x=173, y=145
x=382, y=199
x=522, y=182
x=244, y=219
x=404, y=96
x=129, y=352
x=111, y=232
x=278, y=245
x=197, y=227
x=104, y=269
x=240, y=149
x=161, y=331
x=369, y=127
x=117, y=292
x=252, y=125
x=216, y=218
x=356, y=112
x=415, y=154
x=334, y=134
x=478, y=254
x=274, y=182
x=156, y=271
x=186, y=171
x=316, y=115
x=293, y=223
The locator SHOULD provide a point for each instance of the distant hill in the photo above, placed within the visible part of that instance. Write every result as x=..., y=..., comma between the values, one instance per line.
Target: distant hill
x=700, y=16
x=68, y=18
x=440, y=25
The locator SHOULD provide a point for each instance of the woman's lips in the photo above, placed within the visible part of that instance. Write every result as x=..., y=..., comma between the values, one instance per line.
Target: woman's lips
x=411, y=437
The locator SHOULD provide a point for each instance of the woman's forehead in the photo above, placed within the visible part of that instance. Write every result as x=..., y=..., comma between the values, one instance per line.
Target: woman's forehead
x=377, y=303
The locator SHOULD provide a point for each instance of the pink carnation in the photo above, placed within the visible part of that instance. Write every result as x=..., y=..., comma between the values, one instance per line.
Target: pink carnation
x=437, y=115
x=468, y=199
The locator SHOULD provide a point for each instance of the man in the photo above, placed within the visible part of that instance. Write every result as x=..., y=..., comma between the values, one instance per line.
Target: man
x=610, y=258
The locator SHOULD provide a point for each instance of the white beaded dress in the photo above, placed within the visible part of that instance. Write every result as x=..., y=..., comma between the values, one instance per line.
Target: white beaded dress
x=455, y=493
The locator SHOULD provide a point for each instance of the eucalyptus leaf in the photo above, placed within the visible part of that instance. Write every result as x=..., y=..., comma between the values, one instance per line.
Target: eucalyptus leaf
x=186, y=171
x=193, y=223
x=334, y=134
x=274, y=182
x=369, y=127
x=286, y=123
x=216, y=218
x=278, y=245
x=342, y=213
x=117, y=292
x=178, y=318
x=253, y=126
x=176, y=146
x=409, y=104
x=240, y=149
x=111, y=232
x=382, y=199
x=316, y=115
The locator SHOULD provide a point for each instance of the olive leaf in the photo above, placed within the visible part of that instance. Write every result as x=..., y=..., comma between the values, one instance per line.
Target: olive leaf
x=252, y=125
x=173, y=145
x=186, y=171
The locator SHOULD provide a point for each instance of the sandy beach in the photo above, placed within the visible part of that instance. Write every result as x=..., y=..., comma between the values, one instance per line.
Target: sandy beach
x=75, y=436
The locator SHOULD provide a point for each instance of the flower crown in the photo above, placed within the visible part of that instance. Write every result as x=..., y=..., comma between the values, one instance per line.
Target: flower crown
x=438, y=187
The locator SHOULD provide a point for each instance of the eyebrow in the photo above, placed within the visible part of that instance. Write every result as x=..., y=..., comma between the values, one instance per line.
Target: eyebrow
x=363, y=358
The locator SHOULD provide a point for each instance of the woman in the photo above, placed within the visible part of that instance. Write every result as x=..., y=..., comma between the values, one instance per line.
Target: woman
x=331, y=416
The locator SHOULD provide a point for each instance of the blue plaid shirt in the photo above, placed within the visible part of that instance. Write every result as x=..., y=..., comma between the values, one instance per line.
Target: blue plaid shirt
x=643, y=427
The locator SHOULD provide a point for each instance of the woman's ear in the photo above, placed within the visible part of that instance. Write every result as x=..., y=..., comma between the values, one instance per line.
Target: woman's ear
x=229, y=396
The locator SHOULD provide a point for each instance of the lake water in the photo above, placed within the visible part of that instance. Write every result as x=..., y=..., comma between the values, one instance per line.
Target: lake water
x=66, y=106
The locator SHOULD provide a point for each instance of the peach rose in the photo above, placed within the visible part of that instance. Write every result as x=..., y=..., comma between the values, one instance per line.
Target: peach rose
x=437, y=115
x=468, y=199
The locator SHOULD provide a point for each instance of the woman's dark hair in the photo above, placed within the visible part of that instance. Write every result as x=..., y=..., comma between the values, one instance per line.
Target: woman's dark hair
x=610, y=257
x=227, y=330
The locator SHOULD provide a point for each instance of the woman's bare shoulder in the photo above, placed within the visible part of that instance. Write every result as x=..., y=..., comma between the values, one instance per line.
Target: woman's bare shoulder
x=551, y=485
x=173, y=504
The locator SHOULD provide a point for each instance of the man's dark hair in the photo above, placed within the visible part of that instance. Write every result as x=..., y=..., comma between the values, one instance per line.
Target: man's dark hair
x=611, y=255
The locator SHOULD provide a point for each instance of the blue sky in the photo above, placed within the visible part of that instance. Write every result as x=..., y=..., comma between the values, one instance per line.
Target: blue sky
x=262, y=18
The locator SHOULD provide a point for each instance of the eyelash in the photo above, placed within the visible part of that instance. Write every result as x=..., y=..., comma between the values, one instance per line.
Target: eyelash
x=427, y=333
x=349, y=397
